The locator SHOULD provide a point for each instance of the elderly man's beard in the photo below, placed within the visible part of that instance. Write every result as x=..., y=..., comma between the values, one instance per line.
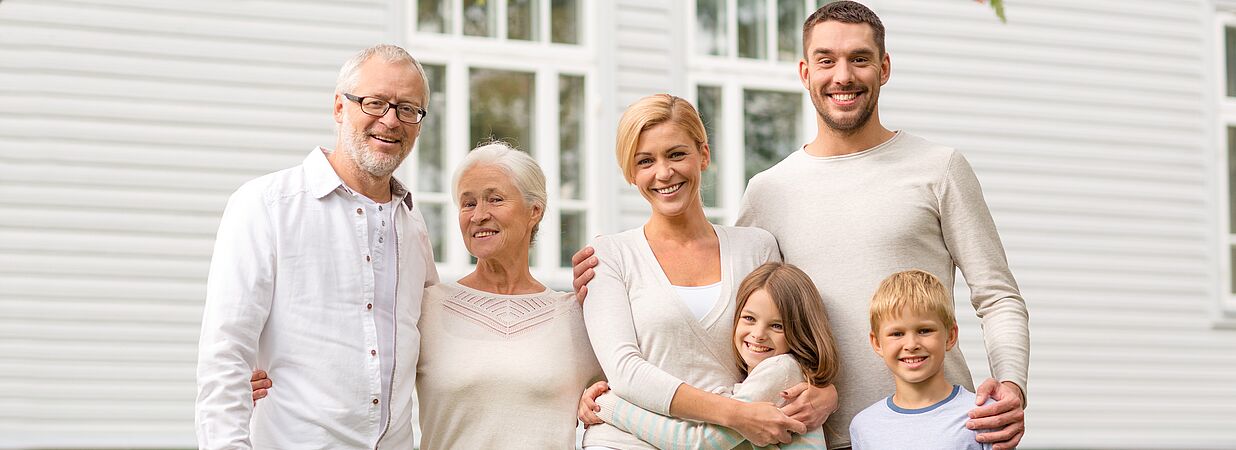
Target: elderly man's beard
x=375, y=163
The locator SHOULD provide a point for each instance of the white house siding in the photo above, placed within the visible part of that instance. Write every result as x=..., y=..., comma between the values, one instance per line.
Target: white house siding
x=124, y=126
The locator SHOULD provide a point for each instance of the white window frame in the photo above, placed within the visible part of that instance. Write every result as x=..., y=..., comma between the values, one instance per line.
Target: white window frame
x=458, y=54
x=734, y=75
x=1224, y=116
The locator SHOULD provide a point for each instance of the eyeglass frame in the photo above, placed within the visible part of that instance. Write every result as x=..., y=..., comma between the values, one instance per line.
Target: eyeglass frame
x=360, y=101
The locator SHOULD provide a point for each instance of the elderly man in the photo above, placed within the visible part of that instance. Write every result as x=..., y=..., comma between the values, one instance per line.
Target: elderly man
x=317, y=276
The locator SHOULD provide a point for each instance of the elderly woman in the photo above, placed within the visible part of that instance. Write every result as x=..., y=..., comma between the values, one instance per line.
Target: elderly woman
x=503, y=358
x=658, y=311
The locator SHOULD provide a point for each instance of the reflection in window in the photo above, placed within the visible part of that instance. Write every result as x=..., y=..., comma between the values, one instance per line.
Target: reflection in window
x=573, y=225
x=502, y=107
x=790, y=17
x=710, y=37
x=571, y=135
x=429, y=146
x=708, y=103
x=564, y=22
x=434, y=223
x=770, y=128
x=521, y=19
x=1230, y=56
x=480, y=18
x=752, y=29
x=433, y=16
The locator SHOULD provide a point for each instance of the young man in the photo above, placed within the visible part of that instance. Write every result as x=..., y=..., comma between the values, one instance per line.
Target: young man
x=912, y=329
x=317, y=277
x=861, y=202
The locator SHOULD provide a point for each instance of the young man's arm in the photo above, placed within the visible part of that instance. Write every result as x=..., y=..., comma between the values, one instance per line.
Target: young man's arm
x=971, y=237
x=238, y=297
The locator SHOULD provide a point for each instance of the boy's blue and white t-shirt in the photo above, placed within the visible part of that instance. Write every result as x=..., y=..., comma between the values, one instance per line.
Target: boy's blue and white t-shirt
x=884, y=425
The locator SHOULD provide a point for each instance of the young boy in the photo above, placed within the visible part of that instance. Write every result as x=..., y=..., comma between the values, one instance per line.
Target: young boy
x=912, y=327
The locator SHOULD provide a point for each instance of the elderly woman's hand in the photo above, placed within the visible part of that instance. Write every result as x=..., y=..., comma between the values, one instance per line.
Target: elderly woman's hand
x=588, y=407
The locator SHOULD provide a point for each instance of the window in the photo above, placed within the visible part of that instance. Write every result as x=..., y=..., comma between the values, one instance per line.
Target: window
x=517, y=71
x=1226, y=144
x=744, y=73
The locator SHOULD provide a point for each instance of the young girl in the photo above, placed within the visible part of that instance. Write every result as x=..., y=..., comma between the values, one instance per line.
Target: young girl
x=781, y=338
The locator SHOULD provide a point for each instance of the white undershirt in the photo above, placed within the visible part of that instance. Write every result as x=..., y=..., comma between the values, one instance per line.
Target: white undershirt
x=380, y=217
x=700, y=299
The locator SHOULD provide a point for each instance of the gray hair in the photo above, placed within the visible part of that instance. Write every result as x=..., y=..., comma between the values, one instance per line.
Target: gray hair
x=523, y=170
x=390, y=54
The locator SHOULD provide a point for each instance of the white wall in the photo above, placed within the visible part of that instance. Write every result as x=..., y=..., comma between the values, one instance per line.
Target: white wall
x=124, y=125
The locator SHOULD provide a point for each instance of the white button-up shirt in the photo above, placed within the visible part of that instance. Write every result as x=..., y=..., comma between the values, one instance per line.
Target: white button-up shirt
x=291, y=290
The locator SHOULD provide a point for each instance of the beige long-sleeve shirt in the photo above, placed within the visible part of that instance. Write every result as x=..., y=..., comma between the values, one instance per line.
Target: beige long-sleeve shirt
x=850, y=221
x=647, y=340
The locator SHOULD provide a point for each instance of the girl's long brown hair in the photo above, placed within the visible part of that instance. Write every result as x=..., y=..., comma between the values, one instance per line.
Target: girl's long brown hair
x=806, y=327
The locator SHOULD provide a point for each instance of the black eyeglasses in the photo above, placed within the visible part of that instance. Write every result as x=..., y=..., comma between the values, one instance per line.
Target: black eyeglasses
x=406, y=112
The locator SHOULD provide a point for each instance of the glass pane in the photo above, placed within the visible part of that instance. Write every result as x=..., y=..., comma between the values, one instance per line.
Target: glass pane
x=790, y=17
x=573, y=232
x=708, y=102
x=521, y=19
x=479, y=18
x=429, y=151
x=1231, y=179
x=433, y=16
x=502, y=107
x=432, y=212
x=710, y=27
x=770, y=128
x=1230, y=56
x=564, y=18
x=752, y=29
x=821, y=3
x=571, y=135
x=1233, y=270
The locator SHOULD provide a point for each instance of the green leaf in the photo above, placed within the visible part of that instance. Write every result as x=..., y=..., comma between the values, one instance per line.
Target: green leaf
x=998, y=6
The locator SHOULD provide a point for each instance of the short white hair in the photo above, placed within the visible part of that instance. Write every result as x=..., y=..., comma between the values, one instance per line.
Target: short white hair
x=521, y=167
x=390, y=54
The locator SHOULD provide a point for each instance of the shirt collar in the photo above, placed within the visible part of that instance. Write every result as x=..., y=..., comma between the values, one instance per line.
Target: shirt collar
x=321, y=178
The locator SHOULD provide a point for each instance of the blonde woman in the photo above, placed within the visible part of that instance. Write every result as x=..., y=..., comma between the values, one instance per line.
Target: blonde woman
x=658, y=310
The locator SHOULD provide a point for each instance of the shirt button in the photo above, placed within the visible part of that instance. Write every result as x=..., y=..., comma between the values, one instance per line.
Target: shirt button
x=369, y=306
x=379, y=207
x=359, y=211
x=373, y=353
x=375, y=401
x=379, y=240
x=366, y=258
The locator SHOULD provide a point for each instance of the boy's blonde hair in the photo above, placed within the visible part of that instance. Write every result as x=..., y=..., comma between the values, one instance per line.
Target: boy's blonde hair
x=807, y=331
x=915, y=291
x=648, y=112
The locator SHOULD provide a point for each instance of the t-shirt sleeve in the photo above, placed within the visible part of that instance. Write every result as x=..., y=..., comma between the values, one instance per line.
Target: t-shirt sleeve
x=611, y=330
x=970, y=235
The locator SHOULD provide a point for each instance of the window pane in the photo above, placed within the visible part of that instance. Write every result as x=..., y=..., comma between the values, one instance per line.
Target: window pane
x=790, y=17
x=1231, y=180
x=433, y=16
x=502, y=107
x=1233, y=290
x=573, y=232
x=479, y=18
x=1230, y=56
x=752, y=29
x=429, y=151
x=710, y=26
x=770, y=128
x=708, y=103
x=434, y=223
x=521, y=19
x=571, y=135
x=564, y=18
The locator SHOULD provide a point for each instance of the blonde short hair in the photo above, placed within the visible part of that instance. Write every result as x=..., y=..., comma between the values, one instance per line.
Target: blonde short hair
x=911, y=291
x=654, y=110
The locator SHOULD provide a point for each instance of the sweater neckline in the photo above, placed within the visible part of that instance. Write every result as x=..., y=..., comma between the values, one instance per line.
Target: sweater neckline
x=856, y=155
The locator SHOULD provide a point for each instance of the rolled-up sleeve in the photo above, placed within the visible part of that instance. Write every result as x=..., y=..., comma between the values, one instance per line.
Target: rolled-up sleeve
x=239, y=293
